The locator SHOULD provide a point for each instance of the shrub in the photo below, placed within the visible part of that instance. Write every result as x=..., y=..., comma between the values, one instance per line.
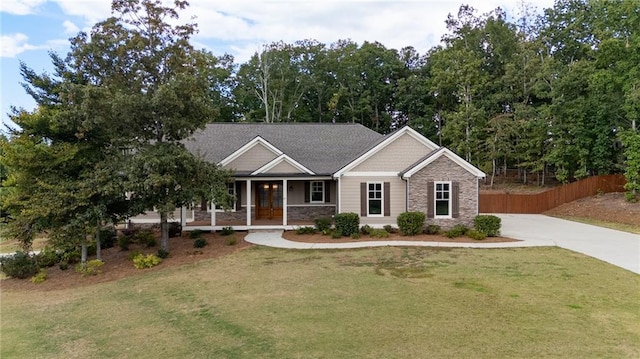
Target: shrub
x=175, y=229
x=336, y=235
x=225, y=231
x=124, y=242
x=432, y=229
x=457, y=231
x=90, y=268
x=488, y=224
x=347, y=223
x=199, y=243
x=355, y=235
x=196, y=233
x=379, y=233
x=71, y=256
x=146, y=237
x=130, y=232
x=476, y=234
x=19, y=265
x=366, y=229
x=305, y=230
x=107, y=237
x=47, y=257
x=630, y=197
x=40, y=277
x=163, y=253
x=63, y=265
x=150, y=260
x=231, y=241
x=322, y=224
x=411, y=223
x=133, y=254
x=389, y=228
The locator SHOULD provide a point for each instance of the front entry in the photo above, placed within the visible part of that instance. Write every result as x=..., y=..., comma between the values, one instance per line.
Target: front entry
x=269, y=200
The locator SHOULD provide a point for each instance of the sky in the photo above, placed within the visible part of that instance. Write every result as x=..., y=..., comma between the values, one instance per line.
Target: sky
x=30, y=29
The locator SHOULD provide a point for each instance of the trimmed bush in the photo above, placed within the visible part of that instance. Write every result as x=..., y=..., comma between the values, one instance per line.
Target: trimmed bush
x=336, y=235
x=322, y=224
x=163, y=253
x=150, y=260
x=231, y=241
x=390, y=229
x=488, y=224
x=124, y=242
x=146, y=238
x=90, y=268
x=19, y=265
x=108, y=237
x=175, y=229
x=306, y=230
x=475, y=234
x=355, y=235
x=366, y=229
x=225, y=231
x=378, y=233
x=411, y=223
x=199, y=243
x=40, y=277
x=47, y=257
x=347, y=223
x=432, y=229
x=458, y=230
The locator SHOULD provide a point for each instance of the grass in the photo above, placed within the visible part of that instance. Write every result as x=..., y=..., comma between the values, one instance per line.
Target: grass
x=365, y=303
x=10, y=245
x=611, y=225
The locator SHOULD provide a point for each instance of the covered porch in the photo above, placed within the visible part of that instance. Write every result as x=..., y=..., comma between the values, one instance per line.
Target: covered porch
x=267, y=203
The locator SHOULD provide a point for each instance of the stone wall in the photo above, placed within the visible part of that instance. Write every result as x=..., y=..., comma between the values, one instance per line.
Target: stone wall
x=444, y=169
x=309, y=212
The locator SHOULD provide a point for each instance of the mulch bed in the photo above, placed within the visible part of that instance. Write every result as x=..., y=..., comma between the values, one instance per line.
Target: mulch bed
x=319, y=238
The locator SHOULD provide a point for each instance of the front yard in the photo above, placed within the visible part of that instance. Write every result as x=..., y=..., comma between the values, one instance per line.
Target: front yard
x=366, y=303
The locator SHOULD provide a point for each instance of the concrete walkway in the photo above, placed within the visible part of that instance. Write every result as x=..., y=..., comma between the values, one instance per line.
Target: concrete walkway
x=619, y=248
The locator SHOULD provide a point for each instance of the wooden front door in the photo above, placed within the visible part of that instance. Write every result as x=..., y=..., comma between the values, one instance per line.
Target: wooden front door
x=269, y=200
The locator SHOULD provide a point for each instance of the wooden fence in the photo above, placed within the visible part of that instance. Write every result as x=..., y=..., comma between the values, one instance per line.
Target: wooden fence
x=544, y=201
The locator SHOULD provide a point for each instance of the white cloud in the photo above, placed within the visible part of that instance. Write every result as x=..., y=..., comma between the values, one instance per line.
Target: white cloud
x=14, y=44
x=91, y=10
x=70, y=28
x=20, y=7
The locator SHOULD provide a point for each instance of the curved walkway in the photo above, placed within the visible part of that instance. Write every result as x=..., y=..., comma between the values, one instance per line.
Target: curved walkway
x=618, y=248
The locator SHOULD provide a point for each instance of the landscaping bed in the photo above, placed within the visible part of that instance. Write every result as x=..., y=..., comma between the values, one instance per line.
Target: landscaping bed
x=320, y=238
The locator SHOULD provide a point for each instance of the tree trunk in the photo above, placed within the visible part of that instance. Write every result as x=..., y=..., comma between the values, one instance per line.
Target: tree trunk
x=164, y=232
x=493, y=172
x=98, y=244
x=83, y=253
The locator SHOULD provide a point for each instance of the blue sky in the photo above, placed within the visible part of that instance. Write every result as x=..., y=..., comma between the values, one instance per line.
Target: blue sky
x=30, y=29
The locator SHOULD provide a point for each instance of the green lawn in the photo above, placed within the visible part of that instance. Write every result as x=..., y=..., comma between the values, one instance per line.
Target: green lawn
x=366, y=303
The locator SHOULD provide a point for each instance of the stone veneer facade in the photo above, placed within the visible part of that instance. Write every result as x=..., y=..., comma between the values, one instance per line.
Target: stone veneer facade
x=444, y=169
x=294, y=213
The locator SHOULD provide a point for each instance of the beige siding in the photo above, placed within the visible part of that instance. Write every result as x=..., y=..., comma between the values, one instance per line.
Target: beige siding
x=396, y=156
x=283, y=167
x=350, y=198
x=253, y=159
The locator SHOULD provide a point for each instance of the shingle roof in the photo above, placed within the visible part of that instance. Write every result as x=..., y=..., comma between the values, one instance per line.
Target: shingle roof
x=322, y=148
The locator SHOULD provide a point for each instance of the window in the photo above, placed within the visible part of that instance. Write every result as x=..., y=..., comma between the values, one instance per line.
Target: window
x=374, y=199
x=231, y=189
x=316, y=189
x=443, y=199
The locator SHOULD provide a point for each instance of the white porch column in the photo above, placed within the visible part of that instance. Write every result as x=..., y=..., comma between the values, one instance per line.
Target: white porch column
x=338, y=198
x=213, y=214
x=248, y=202
x=285, y=190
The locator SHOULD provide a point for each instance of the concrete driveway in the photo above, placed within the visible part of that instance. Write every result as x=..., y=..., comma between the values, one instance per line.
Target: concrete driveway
x=616, y=247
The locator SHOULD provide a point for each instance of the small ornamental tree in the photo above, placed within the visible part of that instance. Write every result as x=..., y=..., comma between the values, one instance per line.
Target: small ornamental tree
x=631, y=142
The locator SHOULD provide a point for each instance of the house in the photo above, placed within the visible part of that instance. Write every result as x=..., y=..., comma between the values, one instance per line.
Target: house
x=287, y=175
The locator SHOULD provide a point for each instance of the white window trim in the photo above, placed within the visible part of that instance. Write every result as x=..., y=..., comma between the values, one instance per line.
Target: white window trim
x=311, y=192
x=233, y=208
x=450, y=200
x=381, y=200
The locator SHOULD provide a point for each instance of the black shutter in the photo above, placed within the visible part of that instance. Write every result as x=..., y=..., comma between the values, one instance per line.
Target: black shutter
x=455, y=198
x=327, y=191
x=430, y=204
x=307, y=192
x=238, y=192
x=387, y=199
x=363, y=199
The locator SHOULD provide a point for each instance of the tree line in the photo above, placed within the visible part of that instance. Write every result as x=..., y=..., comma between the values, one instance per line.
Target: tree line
x=556, y=93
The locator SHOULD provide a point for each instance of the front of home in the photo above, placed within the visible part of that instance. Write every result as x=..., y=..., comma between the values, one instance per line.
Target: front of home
x=287, y=175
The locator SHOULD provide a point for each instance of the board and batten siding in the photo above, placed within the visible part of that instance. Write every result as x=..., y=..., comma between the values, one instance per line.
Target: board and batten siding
x=283, y=168
x=396, y=156
x=350, y=197
x=252, y=159
x=444, y=169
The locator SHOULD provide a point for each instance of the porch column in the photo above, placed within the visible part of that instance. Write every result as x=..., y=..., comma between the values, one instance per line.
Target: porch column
x=213, y=213
x=285, y=190
x=248, y=202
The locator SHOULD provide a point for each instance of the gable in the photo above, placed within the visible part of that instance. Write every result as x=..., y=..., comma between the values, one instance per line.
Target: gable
x=283, y=167
x=252, y=158
x=396, y=156
x=443, y=155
